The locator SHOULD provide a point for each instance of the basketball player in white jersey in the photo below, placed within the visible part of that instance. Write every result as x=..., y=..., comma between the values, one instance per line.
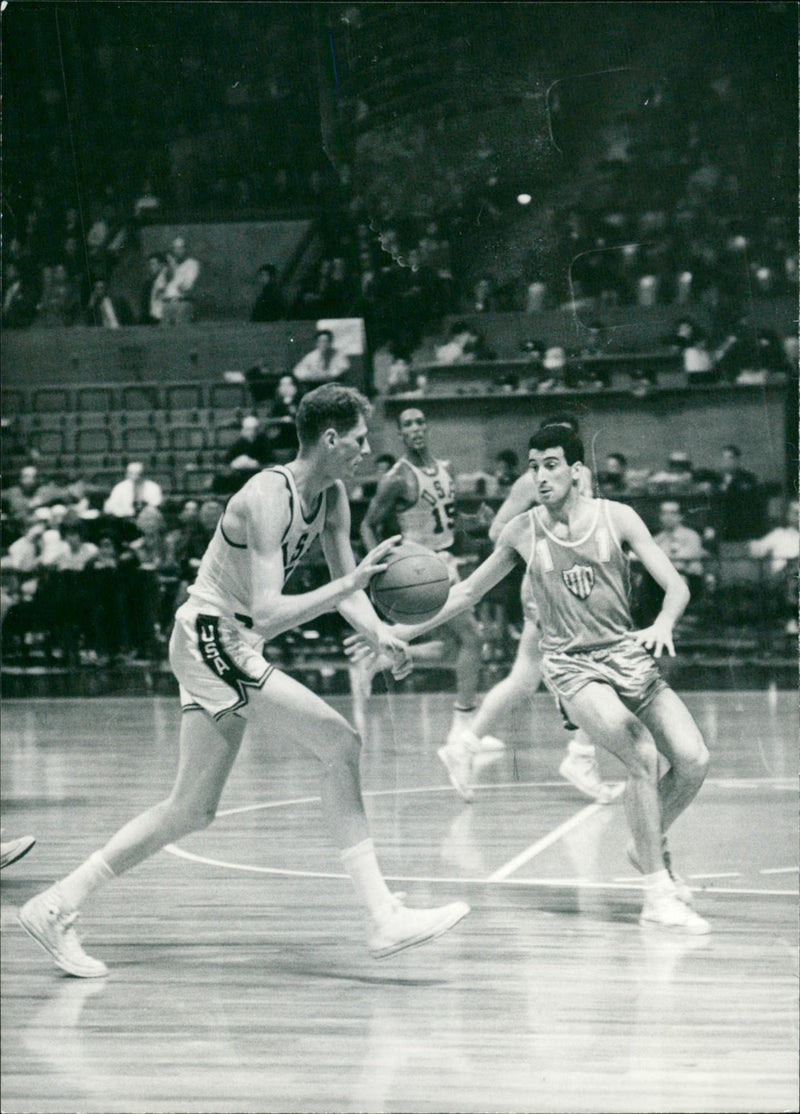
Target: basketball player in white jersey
x=579, y=765
x=216, y=652
x=593, y=661
x=418, y=493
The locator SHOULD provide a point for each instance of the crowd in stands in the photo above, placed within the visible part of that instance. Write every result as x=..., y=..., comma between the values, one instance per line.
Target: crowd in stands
x=94, y=576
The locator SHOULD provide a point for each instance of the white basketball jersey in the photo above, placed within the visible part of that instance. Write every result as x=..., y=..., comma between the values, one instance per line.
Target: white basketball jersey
x=223, y=579
x=429, y=521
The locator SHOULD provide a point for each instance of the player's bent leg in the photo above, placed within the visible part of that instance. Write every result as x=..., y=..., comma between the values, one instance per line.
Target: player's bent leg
x=678, y=738
x=207, y=751
x=515, y=691
x=289, y=708
x=597, y=708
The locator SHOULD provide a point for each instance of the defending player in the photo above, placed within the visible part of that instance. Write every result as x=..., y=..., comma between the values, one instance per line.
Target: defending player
x=579, y=765
x=419, y=493
x=593, y=661
x=234, y=606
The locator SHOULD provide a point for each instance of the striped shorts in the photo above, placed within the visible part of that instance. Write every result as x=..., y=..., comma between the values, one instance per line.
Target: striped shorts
x=216, y=662
x=625, y=666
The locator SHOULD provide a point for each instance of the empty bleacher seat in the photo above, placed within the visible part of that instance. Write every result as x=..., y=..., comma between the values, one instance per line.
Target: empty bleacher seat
x=184, y=397
x=94, y=400
x=139, y=396
x=229, y=396
x=140, y=439
x=92, y=439
x=13, y=403
x=48, y=442
x=197, y=481
x=185, y=437
x=51, y=399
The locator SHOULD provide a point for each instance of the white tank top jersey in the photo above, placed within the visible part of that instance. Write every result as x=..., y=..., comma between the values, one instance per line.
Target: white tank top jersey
x=429, y=521
x=223, y=579
x=582, y=588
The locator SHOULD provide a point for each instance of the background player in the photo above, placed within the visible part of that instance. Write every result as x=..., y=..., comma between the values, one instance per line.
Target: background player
x=235, y=604
x=418, y=494
x=593, y=661
x=579, y=765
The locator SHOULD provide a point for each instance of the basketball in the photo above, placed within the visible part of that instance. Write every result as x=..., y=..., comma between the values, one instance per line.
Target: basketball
x=414, y=586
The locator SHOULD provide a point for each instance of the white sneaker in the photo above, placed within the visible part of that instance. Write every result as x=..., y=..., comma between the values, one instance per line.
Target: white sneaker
x=457, y=759
x=51, y=925
x=668, y=911
x=581, y=771
x=681, y=886
x=409, y=928
x=14, y=849
x=488, y=744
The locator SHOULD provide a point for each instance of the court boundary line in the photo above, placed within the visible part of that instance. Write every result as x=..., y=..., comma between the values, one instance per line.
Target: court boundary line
x=782, y=783
x=525, y=883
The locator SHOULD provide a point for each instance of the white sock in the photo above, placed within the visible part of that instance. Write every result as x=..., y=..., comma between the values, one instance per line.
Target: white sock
x=579, y=745
x=89, y=876
x=657, y=885
x=361, y=863
x=470, y=740
x=462, y=717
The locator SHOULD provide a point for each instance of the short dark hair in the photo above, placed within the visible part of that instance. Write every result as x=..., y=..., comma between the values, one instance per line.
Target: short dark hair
x=568, y=421
x=405, y=410
x=324, y=333
x=330, y=406
x=737, y=452
x=558, y=436
x=509, y=457
x=619, y=457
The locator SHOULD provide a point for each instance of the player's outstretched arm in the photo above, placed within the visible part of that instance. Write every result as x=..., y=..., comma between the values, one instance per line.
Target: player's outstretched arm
x=391, y=490
x=274, y=613
x=631, y=529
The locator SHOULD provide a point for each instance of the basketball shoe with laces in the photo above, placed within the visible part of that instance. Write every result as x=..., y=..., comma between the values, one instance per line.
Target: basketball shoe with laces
x=14, y=849
x=681, y=886
x=52, y=925
x=666, y=910
x=581, y=770
x=458, y=758
x=404, y=928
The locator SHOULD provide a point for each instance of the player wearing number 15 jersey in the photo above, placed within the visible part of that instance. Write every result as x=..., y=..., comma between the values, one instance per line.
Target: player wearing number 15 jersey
x=418, y=496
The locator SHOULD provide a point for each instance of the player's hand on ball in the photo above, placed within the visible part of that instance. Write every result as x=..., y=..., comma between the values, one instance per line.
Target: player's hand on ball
x=656, y=638
x=358, y=648
x=374, y=562
x=398, y=653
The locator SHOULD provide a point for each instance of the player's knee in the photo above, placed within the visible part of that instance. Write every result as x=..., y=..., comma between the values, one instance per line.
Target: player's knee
x=693, y=760
x=642, y=756
x=343, y=746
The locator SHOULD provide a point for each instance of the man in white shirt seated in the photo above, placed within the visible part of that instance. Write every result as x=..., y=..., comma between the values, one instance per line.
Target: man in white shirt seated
x=134, y=492
x=323, y=363
x=182, y=274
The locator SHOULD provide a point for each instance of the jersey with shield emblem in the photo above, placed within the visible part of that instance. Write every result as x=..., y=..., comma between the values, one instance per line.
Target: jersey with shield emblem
x=582, y=587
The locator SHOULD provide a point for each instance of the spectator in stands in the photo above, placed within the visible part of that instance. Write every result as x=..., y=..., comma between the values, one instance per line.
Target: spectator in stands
x=483, y=296
x=323, y=363
x=506, y=471
x=25, y=554
x=151, y=300
x=107, y=620
x=283, y=437
x=741, y=506
x=613, y=479
x=130, y=495
x=270, y=304
x=251, y=451
x=182, y=274
x=678, y=473
x=74, y=552
x=19, y=306
x=105, y=310
x=681, y=543
x=781, y=546
x=29, y=493
x=698, y=361
x=460, y=348
x=147, y=603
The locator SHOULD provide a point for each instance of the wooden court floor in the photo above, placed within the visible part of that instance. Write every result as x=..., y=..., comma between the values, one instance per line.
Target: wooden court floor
x=239, y=980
